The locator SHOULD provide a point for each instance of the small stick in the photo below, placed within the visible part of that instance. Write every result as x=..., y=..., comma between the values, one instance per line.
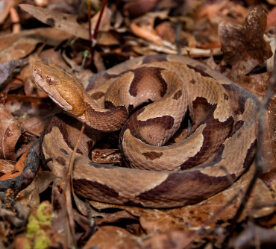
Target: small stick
x=69, y=187
x=16, y=27
x=89, y=25
x=93, y=33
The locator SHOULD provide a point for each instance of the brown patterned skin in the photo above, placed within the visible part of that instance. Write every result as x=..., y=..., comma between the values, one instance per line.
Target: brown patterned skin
x=219, y=146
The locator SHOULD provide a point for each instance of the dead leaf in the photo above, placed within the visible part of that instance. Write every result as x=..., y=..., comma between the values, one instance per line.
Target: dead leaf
x=144, y=27
x=269, y=146
x=271, y=17
x=269, y=143
x=244, y=46
x=166, y=32
x=20, y=241
x=272, y=2
x=6, y=69
x=222, y=10
x=17, y=46
x=256, y=83
x=62, y=21
x=105, y=21
x=6, y=5
x=9, y=134
x=173, y=239
x=32, y=113
x=6, y=166
x=29, y=197
x=145, y=34
x=116, y=217
x=11, y=217
x=108, y=237
x=138, y=8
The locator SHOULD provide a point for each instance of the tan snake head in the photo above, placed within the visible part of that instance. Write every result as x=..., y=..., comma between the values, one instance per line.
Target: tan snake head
x=66, y=91
x=58, y=85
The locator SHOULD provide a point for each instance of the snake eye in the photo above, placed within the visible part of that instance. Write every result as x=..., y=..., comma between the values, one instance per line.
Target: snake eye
x=50, y=80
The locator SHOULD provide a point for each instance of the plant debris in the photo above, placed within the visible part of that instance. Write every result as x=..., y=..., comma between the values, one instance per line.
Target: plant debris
x=237, y=39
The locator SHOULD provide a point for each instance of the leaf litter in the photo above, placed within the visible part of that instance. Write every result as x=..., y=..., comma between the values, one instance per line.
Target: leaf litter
x=237, y=40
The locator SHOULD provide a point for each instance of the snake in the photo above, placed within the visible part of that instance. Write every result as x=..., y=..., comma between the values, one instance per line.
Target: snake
x=149, y=99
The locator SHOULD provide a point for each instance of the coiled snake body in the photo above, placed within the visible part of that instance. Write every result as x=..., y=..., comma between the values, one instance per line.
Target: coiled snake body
x=217, y=149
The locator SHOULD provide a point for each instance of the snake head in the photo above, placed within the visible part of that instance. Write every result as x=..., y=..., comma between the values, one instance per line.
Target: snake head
x=63, y=88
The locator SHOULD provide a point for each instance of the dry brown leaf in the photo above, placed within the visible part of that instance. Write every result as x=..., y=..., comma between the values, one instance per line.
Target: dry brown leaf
x=160, y=221
x=212, y=9
x=6, y=69
x=142, y=32
x=137, y=8
x=9, y=134
x=244, y=46
x=116, y=217
x=20, y=48
x=32, y=113
x=10, y=217
x=105, y=21
x=271, y=17
x=272, y=2
x=6, y=166
x=269, y=146
x=62, y=21
x=68, y=23
x=29, y=197
x=51, y=56
x=144, y=27
x=108, y=39
x=167, y=240
x=166, y=32
x=217, y=11
x=117, y=238
x=256, y=83
x=108, y=237
x=20, y=241
x=16, y=46
x=20, y=105
x=6, y=5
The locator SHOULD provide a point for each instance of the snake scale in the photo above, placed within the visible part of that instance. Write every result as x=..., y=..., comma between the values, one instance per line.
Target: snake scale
x=218, y=146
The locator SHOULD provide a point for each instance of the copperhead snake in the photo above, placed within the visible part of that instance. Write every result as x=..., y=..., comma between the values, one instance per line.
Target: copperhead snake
x=217, y=149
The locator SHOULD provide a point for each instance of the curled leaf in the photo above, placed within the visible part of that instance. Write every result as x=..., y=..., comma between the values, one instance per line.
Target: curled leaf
x=244, y=47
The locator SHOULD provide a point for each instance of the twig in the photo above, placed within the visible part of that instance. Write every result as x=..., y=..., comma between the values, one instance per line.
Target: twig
x=93, y=33
x=178, y=37
x=68, y=188
x=259, y=160
x=88, y=2
x=16, y=27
